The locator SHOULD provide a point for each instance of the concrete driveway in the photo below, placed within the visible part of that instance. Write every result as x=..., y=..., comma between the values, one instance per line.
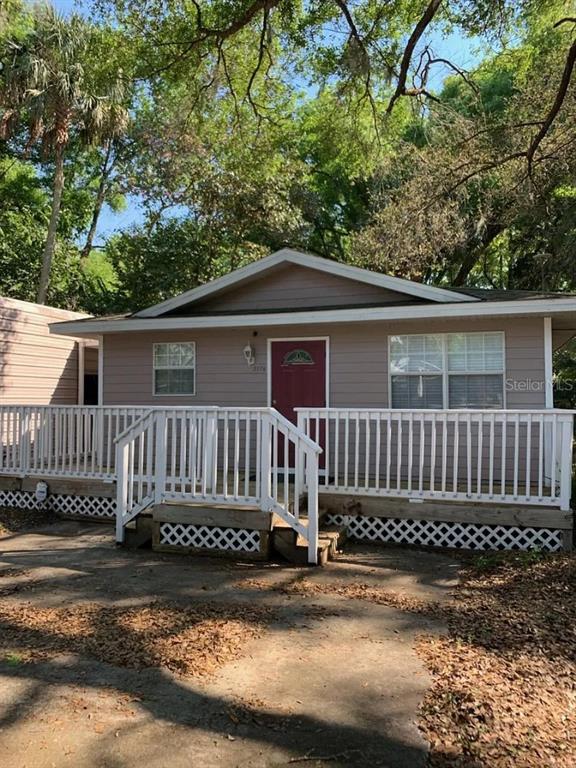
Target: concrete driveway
x=332, y=681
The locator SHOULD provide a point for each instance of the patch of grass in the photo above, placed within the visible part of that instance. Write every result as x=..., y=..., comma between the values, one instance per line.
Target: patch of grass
x=491, y=561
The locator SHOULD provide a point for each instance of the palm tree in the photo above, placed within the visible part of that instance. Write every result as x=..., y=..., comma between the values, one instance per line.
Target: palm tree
x=47, y=87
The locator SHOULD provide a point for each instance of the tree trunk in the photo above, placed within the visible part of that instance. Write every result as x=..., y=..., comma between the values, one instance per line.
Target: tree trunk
x=99, y=202
x=52, y=226
x=471, y=255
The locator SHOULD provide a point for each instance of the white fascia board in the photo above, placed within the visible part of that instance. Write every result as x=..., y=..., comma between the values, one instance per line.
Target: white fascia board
x=540, y=307
x=288, y=256
x=202, y=291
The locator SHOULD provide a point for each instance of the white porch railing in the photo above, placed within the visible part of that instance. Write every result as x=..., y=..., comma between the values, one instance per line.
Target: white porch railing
x=225, y=456
x=65, y=441
x=498, y=456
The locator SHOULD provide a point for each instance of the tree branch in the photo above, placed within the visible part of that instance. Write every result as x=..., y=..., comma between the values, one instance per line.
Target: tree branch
x=417, y=33
x=220, y=35
x=556, y=106
x=256, y=70
x=366, y=62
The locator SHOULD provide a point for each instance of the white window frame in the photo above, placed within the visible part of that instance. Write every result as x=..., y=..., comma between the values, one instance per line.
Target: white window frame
x=446, y=373
x=155, y=368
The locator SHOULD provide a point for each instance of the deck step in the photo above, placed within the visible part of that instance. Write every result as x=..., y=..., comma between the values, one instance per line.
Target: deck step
x=336, y=534
x=279, y=522
x=213, y=515
x=294, y=547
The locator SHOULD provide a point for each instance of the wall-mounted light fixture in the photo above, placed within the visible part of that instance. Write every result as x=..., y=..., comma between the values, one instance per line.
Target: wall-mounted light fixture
x=249, y=354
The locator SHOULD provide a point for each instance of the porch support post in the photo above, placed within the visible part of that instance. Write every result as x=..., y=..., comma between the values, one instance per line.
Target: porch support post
x=548, y=372
x=100, y=370
x=549, y=470
x=81, y=369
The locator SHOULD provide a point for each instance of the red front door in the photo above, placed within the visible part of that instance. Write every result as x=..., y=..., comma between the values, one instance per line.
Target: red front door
x=298, y=376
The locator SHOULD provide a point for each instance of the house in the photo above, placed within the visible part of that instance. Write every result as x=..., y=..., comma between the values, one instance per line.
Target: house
x=37, y=367
x=298, y=390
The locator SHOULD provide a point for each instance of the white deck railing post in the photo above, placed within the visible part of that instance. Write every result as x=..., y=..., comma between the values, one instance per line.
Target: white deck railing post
x=98, y=426
x=123, y=470
x=265, y=463
x=567, y=430
x=210, y=468
x=23, y=442
x=312, y=484
x=160, y=456
x=300, y=467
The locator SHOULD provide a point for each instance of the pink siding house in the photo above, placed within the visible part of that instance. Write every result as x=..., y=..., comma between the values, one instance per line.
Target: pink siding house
x=298, y=392
x=37, y=367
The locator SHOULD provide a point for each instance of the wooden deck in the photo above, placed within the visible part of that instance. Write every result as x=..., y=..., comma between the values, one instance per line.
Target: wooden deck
x=435, y=461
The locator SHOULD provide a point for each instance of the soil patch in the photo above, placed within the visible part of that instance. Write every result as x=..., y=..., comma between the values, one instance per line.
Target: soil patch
x=13, y=519
x=504, y=691
x=504, y=676
x=192, y=641
x=357, y=591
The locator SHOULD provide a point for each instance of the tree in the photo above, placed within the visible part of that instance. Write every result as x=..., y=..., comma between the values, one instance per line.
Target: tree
x=464, y=198
x=174, y=256
x=46, y=85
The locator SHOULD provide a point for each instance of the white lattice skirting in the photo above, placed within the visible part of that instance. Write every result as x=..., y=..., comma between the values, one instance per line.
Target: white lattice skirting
x=205, y=537
x=62, y=503
x=441, y=534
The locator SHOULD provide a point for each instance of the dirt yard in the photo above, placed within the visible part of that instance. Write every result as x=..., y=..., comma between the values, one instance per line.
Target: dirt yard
x=504, y=691
x=113, y=658
x=388, y=657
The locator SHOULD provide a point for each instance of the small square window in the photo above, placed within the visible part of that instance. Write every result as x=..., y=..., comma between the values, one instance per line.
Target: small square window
x=175, y=368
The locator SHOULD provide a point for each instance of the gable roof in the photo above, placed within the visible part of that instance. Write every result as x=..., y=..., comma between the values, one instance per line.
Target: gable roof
x=289, y=256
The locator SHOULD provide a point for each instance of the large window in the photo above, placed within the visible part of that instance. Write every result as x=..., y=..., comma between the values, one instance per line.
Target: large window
x=447, y=370
x=174, y=368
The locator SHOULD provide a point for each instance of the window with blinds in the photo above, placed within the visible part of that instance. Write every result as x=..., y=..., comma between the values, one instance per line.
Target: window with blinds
x=448, y=370
x=175, y=368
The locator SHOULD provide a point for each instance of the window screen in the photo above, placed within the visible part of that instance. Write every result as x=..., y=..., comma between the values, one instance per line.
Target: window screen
x=453, y=370
x=174, y=368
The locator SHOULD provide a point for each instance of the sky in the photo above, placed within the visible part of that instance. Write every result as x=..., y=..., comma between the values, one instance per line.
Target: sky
x=463, y=52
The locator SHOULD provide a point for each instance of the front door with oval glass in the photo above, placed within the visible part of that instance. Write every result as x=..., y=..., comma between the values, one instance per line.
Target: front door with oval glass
x=298, y=376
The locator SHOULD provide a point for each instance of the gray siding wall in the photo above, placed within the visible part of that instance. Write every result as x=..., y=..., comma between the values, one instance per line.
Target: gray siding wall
x=35, y=366
x=298, y=287
x=358, y=364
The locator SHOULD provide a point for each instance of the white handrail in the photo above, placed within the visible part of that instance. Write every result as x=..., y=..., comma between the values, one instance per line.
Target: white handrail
x=225, y=456
x=134, y=427
x=518, y=456
x=137, y=467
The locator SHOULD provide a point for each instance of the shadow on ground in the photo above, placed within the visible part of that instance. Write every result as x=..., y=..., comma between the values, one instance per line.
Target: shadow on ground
x=327, y=680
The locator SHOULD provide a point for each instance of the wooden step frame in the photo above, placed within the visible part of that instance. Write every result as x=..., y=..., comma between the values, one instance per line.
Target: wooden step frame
x=195, y=517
